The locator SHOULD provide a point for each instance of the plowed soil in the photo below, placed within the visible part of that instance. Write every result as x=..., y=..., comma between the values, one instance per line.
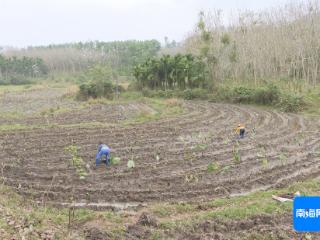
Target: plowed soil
x=171, y=156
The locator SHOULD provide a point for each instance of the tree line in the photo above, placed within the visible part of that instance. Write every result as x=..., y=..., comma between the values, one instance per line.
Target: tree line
x=279, y=44
x=170, y=72
x=121, y=56
x=11, y=68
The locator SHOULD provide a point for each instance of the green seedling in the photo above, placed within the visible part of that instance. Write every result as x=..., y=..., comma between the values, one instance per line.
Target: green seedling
x=264, y=162
x=115, y=160
x=76, y=161
x=187, y=156
x=212, y=167
x=236, y=154
x=191, y=178
x=201, y=147
x=130, y=164
x=226, y=168
x=283, y=158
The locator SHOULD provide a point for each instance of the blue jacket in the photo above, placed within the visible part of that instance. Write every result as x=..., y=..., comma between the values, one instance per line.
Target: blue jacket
x=103, y=149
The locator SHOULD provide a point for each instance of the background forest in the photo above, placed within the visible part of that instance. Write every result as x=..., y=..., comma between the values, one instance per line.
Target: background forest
x=256, y=53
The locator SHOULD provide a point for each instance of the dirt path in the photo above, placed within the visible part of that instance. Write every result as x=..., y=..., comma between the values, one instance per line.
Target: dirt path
x=278, y=149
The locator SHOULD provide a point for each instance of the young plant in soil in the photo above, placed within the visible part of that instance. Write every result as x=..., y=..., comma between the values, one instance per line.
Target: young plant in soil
x=131, y=164
x=225, y=169
x=283, y=158
x=201, y=147
x=263, y=154
x=188, y=156
x=212, y=167
x=76, y=161
x=236, y=153
x=265, y=163
x=114, y=160
x=189, y=178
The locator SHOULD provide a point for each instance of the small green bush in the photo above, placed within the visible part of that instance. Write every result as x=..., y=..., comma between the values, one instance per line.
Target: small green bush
x=95, y=90
x=291, y=103
x=267, y=95
x=264, y=95
x=242, y=95
x=223, y=94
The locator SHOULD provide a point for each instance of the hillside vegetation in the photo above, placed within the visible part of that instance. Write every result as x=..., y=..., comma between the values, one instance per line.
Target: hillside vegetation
x=269, y=57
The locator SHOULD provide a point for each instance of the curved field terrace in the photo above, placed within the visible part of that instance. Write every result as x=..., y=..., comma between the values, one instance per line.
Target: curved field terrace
x=188, y=157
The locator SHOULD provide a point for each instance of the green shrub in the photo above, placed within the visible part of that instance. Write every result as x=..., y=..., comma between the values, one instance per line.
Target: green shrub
x=291, y=103
x=16, y=80
x=19, y=80
x=187, y=94
x=264, y=95
x=159, y=93
x=242, y=95
x=267, y=95
x=221, y=94
x=146, y=92
x=96, y=90
x=135, y=86
x=196, y=93
x=170, y=93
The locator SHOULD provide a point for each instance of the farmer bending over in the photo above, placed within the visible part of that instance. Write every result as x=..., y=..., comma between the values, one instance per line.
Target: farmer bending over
x=240, y=130
x=103, y=149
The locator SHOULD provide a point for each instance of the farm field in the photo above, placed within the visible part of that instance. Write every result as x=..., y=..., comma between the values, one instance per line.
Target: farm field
x=159, y=120
x=184, y=160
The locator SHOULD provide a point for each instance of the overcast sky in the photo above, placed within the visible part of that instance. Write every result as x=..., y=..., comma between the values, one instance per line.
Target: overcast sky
x=41, y=22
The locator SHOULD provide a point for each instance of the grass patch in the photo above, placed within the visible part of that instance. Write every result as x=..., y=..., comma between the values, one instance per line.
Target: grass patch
x=159, y=108
x=246, y=206
x=174, y=217
x=12, y=115
x=162, y=210
x=313, y=101
x=54, y=111
x=234, y=208
x=26, y=213
x=16, y=127
x=18, y=88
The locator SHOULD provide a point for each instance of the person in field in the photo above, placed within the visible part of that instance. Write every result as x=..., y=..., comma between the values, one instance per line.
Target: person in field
x=240, y=130
x=103, y=150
